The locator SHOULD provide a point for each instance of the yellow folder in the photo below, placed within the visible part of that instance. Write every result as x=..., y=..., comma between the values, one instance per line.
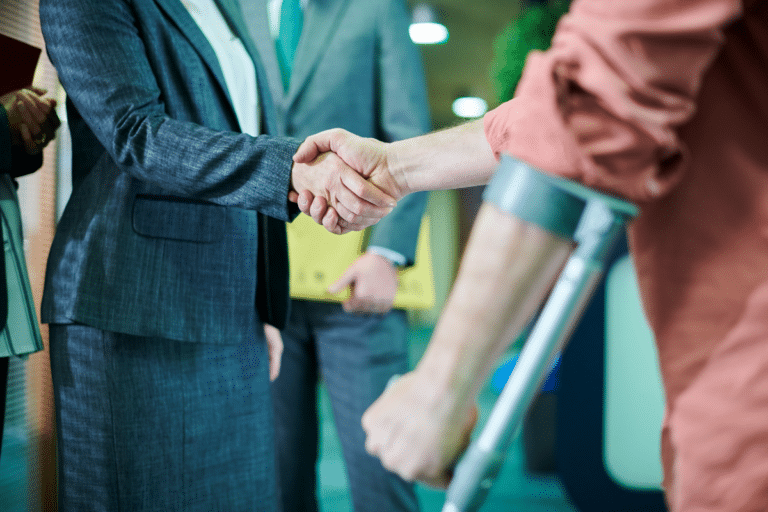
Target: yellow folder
x=318, y=258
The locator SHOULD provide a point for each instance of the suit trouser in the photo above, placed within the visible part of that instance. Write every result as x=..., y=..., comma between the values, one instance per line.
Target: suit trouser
x=155, y=424
x=355, y=355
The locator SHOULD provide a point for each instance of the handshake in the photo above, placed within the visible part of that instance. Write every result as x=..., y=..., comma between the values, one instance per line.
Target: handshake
x=345, y=182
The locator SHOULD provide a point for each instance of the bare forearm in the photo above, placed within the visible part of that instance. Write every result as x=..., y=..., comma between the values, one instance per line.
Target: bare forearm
x=508, y=268
x=454, y=158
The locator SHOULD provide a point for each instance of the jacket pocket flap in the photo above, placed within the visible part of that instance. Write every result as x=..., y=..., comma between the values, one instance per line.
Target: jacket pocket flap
x=176, y=218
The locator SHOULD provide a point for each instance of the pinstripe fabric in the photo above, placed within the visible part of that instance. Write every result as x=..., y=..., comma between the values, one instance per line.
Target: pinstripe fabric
x=355, y=355
x=172, y=216
x=354, y=68
x=160, y=236
x=151, y=424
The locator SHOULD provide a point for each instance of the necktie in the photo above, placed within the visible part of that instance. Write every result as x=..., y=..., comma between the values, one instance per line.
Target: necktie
x=291, y=20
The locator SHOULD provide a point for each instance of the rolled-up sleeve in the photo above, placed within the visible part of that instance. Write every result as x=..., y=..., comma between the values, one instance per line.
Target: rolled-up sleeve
x=604, y=104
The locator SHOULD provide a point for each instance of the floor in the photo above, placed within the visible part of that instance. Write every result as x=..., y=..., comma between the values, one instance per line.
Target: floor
x=514, y=490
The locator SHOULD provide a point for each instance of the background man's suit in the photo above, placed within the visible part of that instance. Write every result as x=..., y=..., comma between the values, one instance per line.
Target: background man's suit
x=355, y=68
x=156, y=270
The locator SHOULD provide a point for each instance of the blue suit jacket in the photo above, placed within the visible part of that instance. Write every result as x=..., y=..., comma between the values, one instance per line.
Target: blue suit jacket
x=166, y=232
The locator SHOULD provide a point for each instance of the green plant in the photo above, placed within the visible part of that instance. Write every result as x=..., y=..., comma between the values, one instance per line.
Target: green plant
x=532, y=30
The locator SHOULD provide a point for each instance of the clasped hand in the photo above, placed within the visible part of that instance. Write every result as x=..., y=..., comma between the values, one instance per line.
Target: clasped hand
x=343, y=181
x=32, y=118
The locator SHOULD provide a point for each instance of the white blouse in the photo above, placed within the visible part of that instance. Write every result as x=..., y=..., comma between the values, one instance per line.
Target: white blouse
x=236, y=64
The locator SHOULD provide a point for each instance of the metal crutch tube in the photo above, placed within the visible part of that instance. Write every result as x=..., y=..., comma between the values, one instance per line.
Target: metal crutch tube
x=601, y=221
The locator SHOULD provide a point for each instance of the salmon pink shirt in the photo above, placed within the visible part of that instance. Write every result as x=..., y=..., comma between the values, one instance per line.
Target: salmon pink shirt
x=665, y=103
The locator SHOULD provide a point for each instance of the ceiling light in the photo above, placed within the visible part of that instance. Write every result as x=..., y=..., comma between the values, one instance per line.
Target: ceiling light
x=425, y=28
x=469, y=107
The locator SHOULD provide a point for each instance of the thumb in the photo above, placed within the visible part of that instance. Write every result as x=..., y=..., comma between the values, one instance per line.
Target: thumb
x=314, y=145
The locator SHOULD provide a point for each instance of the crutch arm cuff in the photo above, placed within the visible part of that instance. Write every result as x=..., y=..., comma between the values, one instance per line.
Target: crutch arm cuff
x=553, y=203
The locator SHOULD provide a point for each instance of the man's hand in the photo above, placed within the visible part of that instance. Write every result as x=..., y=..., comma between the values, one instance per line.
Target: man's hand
x=32, y=118
x=275, y=349
x=358, y=203
x=419, y=430
x=369, y=157
x=373, y=282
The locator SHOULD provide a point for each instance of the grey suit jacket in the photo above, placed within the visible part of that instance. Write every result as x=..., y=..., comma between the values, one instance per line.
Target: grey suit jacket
x=164, y=233
x=355, y=68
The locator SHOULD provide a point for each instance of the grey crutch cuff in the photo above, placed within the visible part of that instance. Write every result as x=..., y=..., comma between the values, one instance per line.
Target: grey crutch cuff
x=553, y=203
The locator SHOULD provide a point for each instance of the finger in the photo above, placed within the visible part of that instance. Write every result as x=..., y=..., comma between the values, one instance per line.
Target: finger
x=378, y=439
x=38, y=90
x=318, y=208
x=293, y=196
x=28, y=119
x=274, y=367
x=356, y=305
x=312, y=146
x=306, y=198
x=29, y=144
x=466, y=440
x=33, y=106
x=307, y=152
x=275, y=350
x=361, y=302
x=345, y=213
x=330, y=221
x=347, y=227
x=365, y=190
x=440, y=481
x=346, y=279
x=355, y=210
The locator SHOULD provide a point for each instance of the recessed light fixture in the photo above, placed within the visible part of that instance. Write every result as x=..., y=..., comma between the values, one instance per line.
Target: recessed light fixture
x=469, y=107
x=425, y=28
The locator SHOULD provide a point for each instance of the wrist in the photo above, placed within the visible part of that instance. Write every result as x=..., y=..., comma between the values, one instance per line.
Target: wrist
x=450, y=362
x=397, y=166
x=296, y=182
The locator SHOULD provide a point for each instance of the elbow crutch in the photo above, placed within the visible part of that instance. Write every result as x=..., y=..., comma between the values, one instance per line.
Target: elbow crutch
x=593, y=221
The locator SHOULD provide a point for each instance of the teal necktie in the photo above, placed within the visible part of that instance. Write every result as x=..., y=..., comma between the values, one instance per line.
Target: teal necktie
x=291, y=20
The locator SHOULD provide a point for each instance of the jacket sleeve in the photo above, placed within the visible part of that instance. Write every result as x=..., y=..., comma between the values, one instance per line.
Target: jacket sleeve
x=404, y=113
x=103, y=64
x=603, y=104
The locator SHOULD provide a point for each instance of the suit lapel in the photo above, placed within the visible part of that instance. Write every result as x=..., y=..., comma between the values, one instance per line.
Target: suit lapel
x=234, y=15
x=320, y=22
x=230, y=9
x=257, y=21
x=184, y=21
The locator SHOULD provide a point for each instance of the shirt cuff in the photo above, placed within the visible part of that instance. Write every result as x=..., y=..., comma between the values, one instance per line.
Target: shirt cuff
x=394, y=257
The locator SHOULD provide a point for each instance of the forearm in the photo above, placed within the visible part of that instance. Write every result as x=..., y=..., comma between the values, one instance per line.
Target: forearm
x=454, y=158
x=508, y=268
